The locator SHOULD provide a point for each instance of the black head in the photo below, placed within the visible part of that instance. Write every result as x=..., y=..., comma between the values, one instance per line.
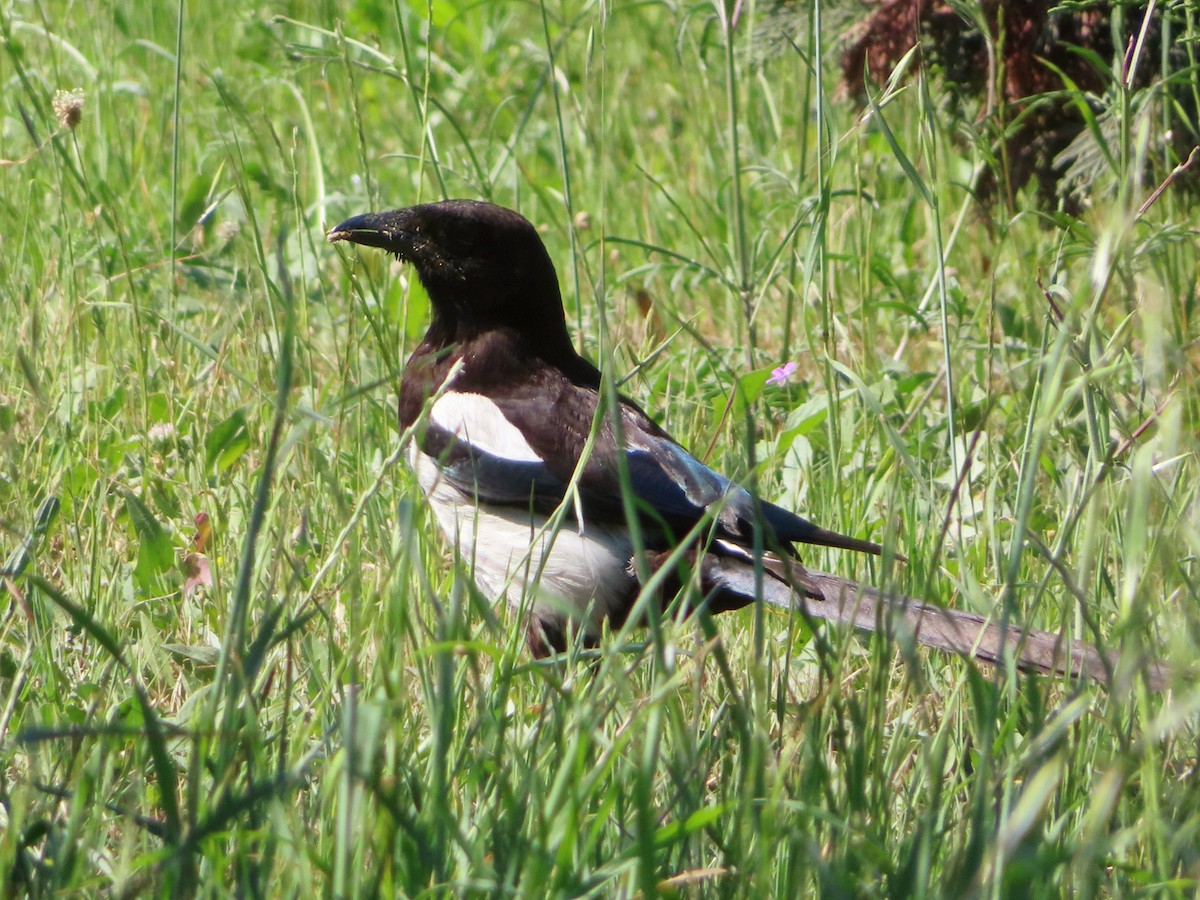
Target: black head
x=483, y=266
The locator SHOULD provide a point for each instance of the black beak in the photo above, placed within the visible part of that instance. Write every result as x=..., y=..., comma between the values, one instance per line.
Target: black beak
x=390, y=231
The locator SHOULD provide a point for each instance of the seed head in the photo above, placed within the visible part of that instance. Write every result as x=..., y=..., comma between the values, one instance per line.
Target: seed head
x=68, y=107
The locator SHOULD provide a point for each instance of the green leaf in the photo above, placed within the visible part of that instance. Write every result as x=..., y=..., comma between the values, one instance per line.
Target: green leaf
x=417, y=310
x=901, y=157
x=194, y=202
x=156, y=554
x=115, y=403
x=46, y=513
x=808, y=416
x=749, y=388
x=673, y=832
x=165, y=498
x=201, y=654
x=226, y=443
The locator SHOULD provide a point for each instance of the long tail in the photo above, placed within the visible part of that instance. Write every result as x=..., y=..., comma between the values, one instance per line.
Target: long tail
x=846, y=602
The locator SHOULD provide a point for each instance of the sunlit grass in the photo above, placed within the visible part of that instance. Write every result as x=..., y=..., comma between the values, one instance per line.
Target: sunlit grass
x=332, y=709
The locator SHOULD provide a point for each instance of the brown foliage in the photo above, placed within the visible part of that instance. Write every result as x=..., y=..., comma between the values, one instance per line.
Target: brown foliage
x=1030, y=44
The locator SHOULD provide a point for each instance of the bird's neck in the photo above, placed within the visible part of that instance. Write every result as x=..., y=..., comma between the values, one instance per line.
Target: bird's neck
x=489, y=356
x=508, y=344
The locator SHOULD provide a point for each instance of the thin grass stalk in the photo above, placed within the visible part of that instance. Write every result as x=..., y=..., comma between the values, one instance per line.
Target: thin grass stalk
x=176, y=138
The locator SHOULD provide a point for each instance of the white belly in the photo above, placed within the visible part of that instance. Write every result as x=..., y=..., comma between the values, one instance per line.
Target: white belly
x=576, y=573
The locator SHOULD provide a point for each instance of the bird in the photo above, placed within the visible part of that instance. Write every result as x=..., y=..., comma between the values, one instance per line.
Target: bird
x=567, y=509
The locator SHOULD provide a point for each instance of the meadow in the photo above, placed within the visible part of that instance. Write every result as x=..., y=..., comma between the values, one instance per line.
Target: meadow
x=236, y=656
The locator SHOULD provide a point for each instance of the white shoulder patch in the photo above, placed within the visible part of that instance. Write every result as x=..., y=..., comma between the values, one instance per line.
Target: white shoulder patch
x=478, y=421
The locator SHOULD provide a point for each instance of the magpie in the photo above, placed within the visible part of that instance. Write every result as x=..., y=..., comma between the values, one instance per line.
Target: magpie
x=526, y=470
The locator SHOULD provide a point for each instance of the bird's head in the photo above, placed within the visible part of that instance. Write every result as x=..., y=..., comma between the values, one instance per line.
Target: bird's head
x=482, y=265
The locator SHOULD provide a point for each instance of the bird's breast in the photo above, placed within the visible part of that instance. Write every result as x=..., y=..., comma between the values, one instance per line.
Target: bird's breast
x=476, y=419
x=569, y=572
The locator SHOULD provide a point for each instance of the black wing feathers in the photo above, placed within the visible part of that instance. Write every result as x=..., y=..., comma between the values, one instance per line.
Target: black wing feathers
x=672, y=487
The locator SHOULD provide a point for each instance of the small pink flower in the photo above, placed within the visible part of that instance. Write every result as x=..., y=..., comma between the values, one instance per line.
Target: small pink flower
x=198, y=571
x=783, y=374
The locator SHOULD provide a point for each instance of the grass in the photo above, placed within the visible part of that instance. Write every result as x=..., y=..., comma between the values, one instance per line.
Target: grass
x=1006, y=395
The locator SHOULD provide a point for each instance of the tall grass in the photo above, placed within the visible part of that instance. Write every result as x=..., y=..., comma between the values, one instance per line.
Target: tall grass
x=300, y=692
